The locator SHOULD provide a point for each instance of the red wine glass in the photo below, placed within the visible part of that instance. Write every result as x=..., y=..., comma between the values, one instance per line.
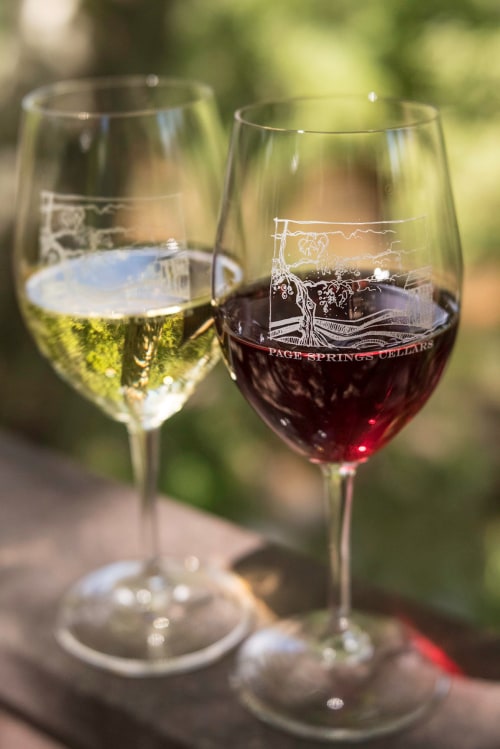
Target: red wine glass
x=336, y=287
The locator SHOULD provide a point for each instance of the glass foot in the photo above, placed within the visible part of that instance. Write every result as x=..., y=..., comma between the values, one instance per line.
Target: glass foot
x=162, y=617
x=371, y=680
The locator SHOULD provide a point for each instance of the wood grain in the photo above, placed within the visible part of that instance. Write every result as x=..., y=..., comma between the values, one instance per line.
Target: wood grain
x=58, y=522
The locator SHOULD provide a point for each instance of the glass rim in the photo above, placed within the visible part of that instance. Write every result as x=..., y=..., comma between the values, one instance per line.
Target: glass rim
x=428, y=113
x=37, y=100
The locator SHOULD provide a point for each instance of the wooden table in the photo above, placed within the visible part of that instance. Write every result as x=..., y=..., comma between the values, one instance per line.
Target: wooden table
x=58, y=522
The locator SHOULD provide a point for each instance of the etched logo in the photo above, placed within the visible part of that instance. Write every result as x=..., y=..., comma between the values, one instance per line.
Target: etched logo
x=74, y=224
x=356, y=284
x=136, y=243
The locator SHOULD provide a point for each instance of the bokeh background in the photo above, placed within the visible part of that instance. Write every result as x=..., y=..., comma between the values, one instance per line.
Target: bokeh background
x=427, y=510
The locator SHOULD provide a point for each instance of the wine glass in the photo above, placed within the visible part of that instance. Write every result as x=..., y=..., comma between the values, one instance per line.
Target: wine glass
x=117, y=203
x=337, y=276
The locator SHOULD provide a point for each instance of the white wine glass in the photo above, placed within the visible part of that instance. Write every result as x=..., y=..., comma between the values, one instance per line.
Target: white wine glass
x=116, y=209
x=336, y=289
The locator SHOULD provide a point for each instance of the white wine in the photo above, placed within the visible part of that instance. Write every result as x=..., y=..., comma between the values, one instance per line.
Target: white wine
x=130, y=329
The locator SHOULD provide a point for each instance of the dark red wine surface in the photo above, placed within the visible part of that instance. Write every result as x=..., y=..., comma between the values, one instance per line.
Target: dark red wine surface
x=333, y=404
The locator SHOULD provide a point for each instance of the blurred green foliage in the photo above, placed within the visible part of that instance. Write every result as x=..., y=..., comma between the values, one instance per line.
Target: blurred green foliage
x=427, y=515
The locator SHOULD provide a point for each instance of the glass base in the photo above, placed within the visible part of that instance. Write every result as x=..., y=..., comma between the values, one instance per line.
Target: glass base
x=162, y=617
x=370, y=680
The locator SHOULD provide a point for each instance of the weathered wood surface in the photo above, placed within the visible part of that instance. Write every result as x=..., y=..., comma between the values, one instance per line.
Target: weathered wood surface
x=15, y=733
x=58, y=522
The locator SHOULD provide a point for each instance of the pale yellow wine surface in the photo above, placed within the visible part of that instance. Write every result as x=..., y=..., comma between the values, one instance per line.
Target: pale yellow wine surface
x=130, y=329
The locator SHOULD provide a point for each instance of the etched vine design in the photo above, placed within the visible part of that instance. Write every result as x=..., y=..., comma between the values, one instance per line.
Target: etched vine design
x=72, y=226
x=333, y=279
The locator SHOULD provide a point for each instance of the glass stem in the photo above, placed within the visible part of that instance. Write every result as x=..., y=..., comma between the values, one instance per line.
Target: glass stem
x=339, y=484
x=145, y=451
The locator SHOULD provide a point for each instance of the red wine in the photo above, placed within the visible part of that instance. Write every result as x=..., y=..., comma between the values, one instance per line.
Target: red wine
x=337, y=403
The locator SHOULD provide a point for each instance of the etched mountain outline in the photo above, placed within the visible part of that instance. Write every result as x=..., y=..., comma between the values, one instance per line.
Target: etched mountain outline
x=74, y=225
x=319, y=267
